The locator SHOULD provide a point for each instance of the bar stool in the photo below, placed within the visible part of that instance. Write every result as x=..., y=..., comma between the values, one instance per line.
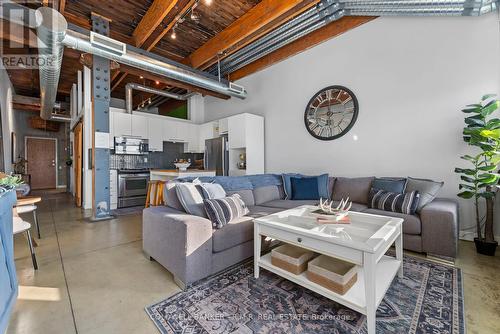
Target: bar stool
x=30, y=208
x=20, y=226
x=154, y=196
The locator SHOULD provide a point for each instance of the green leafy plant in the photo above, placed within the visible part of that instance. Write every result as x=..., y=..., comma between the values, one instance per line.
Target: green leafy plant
x=11, y=181
x=479, y=181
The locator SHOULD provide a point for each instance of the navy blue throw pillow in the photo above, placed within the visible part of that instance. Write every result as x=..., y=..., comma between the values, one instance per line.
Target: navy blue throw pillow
x=390, y=184
x=304, y=188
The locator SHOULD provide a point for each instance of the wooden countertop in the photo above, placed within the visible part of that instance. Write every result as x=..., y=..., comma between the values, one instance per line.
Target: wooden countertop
x=180, y=172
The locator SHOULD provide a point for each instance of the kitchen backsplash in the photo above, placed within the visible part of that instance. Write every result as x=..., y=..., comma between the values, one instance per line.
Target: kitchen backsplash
x=154, y=160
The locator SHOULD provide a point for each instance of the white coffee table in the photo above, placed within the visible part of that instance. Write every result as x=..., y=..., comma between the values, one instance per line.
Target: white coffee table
x=364, y=242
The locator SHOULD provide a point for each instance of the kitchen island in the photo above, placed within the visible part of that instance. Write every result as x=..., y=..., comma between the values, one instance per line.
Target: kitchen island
x=170, y=174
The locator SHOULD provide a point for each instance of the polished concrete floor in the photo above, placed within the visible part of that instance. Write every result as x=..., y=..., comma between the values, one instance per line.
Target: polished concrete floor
x=93, y=277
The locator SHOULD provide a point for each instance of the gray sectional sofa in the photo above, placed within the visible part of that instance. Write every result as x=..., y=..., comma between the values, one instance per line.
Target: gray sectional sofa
x=191, y=249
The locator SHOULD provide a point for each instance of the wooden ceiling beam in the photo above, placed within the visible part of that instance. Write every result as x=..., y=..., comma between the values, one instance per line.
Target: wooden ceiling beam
x=158, y=10
x=62, y=6
x=150, y=45
x=256, y=18
x=316, y=37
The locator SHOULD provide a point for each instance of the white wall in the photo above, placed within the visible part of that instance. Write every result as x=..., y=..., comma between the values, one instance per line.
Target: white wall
x=7, y=116
x=411, y=77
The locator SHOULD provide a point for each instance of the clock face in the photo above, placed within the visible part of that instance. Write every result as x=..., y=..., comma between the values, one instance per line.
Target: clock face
x=331, y=113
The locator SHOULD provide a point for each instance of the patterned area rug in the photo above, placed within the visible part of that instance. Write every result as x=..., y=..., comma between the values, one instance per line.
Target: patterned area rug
x=428, y=299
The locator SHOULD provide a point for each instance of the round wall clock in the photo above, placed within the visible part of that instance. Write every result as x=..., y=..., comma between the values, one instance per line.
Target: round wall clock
x=331, y=113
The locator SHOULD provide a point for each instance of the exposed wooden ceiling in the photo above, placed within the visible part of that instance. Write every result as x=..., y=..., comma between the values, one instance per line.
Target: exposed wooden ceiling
x=223, y=26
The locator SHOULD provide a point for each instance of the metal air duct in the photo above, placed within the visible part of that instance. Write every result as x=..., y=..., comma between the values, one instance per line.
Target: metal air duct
x=330, y=10
x=51, y=30
x=131, y=86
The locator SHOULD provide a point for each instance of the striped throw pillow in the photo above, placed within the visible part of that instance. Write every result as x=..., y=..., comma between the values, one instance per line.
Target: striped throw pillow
x=395, y=202
x=224, y=210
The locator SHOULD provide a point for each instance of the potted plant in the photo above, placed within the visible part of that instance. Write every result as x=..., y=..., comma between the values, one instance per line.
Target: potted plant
x=480, y=180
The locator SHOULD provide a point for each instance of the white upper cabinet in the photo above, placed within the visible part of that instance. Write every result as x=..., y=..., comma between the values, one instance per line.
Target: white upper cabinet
x=237, y=131
x=169, y=130
x=140, y=126
x=193, y=141
x=223, y=126
x=155, y=130
x=206, y=131
x=122, y=124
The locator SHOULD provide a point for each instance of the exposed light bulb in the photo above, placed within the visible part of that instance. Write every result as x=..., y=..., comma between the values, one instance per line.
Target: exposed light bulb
x=157, y=82
x=208, y=2
x=173, y=35
x=141, y=77
x=194, y=16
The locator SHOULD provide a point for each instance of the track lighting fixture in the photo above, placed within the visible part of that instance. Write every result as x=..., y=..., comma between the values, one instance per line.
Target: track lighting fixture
x=173, y=35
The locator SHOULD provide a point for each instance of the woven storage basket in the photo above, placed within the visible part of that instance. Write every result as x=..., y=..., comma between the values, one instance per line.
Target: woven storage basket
x=291, y=258
x=334, y=274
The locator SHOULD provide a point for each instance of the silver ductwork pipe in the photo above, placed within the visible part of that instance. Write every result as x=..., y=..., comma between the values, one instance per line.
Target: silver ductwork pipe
x=131, y=86
x=51, y=30
x=83, y=43
x=330, y=10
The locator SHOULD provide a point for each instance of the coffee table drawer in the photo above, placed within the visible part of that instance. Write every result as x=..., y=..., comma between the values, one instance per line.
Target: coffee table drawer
x=320, y=246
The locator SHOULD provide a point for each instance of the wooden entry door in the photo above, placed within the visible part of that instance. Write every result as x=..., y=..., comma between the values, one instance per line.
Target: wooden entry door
x=77, y=162
x=41, y=156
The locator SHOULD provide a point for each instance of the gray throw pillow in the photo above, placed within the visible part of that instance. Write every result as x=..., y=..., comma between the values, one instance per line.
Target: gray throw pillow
x=212, y=190
x=427, y=189
x=191, y=198
x=224, y=210
x=170, y=196
x=356, y=188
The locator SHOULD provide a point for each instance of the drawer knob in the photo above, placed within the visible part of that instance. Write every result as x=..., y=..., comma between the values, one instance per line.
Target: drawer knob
x=299, y=239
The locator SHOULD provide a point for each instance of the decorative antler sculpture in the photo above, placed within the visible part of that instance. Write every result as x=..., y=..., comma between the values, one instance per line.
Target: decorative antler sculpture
x=343, y=207
x=327, y=214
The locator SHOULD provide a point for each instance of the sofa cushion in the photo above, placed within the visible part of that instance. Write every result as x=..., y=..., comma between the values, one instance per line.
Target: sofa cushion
x=357, y=207
x=394, y=185
x=234, y=233
x=427, y=189
x=411, y=224
x=395, y=202
x=266, y=194
x=286, y=204
x=246, y=195
x=170, y=196
x=212, y=190
x=323, y=184
x=224, y=210
x=356, y=189
x=191, y=199
x=258, y=211
x=304, y=188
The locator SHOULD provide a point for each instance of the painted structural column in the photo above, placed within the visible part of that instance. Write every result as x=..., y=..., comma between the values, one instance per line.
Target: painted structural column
x=100, y=126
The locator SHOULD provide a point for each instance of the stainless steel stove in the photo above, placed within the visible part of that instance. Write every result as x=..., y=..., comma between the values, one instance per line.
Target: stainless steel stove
x=132, y=187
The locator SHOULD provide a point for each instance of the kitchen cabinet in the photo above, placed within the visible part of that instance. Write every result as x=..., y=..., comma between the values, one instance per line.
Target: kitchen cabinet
x=155, y=131
x=237, y=131
x=175, y=131
x=139, y=126
x=193, y=140
x=122, y=124
x=205, y=131
x=223, y=126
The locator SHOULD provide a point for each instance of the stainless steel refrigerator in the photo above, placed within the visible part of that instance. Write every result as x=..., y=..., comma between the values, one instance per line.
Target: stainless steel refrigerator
x=217, y=155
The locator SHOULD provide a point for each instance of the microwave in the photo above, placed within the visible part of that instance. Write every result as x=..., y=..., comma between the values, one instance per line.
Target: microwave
x=131, y=145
